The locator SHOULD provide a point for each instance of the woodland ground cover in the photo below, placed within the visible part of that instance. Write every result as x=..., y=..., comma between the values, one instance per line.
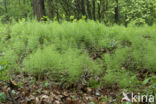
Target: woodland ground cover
x=80, y=54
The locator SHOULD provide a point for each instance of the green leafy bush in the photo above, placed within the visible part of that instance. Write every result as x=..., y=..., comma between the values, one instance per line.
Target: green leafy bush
x=2, y=97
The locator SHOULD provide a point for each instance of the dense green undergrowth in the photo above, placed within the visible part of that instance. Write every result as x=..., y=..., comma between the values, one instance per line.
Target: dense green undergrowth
x=109, y=55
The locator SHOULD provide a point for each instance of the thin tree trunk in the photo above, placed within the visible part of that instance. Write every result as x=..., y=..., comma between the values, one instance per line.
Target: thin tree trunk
x=83, y=8
x=99, y=10
x=88, y=9
x=5, y=5
x=103, y=9
x=94, y=15
x=116, y=12
x=78, y=8
x=6, y=9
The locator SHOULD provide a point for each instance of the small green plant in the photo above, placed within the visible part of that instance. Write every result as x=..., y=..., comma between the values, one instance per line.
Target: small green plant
x=2, y=97
x=152, y=84
x=45, y=18
x=71, y=17
x=46, y=84
x=106, y=99
x=3, y=69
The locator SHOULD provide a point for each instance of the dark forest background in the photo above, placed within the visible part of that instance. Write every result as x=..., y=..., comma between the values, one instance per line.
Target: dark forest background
x=107, y=11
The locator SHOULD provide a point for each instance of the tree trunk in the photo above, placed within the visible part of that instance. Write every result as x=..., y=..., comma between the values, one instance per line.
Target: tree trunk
x=39, y=9
x=116, y=12
x=83, y=8
x=94, y=15
x=5, y=5
x=78, y=8
x=6, y=9
x=99, y=10
x=88, y=9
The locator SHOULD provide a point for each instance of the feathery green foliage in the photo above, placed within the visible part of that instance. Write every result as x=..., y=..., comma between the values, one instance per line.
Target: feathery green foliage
x=73, y=48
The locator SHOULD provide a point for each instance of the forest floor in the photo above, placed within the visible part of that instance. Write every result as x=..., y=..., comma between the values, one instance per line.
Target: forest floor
x=23, y=89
